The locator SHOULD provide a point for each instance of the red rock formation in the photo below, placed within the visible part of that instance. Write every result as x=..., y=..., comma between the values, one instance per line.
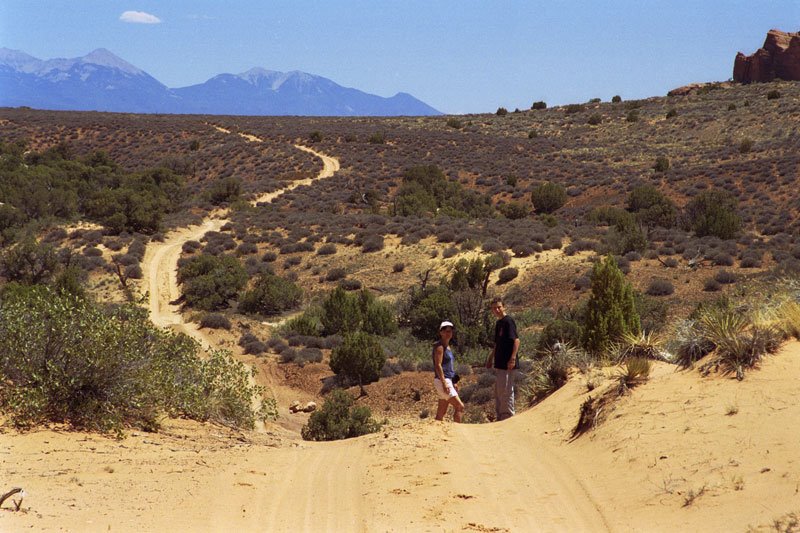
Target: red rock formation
x=778, y=58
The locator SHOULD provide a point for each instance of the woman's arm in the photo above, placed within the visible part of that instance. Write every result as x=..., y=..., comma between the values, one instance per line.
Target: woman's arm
x=438, y=357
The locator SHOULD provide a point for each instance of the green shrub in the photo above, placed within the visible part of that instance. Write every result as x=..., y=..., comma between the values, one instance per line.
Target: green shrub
x=745, y=146
x=377, y=318
x=660, y=287
x=651, y=206
x=773, y=94
x=209, y=282
x=713, y=213
x=607, y=215
x=501, y=112
x=315, y=136
x=560, y=330
x=358, y=359
x=595, y=119
x=340, y=313
x=306, y=324
x=427, y=309
x=427, y=191
x=616, y=99
x=29, y=262
x=548, y=197
x=611, y=310
x=632, y=116
x=454, y=123
x=515, y=210
x=215, y=321
x=63, y=359
x=661, y=164
x=225, y=190
x=539, y=105
x=377, y=138
x=626, y=236
x=271, y=295
x=339, y=419
x=506, y=275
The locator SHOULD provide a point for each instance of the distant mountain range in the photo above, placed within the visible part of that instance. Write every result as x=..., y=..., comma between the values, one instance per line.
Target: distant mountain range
x=101, y=81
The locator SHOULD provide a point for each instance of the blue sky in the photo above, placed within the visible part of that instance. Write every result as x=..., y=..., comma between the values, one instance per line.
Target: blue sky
x=460, y=56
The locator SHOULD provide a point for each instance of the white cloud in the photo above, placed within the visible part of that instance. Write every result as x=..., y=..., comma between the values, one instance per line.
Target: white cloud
x=139, y=17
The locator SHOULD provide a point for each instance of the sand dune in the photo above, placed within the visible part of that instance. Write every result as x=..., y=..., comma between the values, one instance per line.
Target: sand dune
x=673, y=456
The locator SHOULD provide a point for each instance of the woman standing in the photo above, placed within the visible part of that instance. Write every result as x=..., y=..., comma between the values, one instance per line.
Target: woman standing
x=444, y=372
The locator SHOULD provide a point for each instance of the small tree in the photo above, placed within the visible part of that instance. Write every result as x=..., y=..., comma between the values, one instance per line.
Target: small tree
x=539, y=105
x=652, y=207
x=29, y=262
x=208, y=281
x=377, y=317
x=611, y=310
x=271, y=295
x=548, y=197
x=713, y=213
x=359, y=359
x=338, y=419
x=341, y=313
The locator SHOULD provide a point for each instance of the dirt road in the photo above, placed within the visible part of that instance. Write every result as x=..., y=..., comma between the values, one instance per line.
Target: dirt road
x=160, y=264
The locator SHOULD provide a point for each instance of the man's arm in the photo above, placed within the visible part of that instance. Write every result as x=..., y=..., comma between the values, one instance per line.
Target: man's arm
x=512, y=362
x=490, y=359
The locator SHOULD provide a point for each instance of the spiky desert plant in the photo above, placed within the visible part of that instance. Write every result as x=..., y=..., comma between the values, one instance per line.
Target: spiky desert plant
x=635, y=372
x=740, y=341
x=551, y=371
x=688, y=344
x=789, y=313
x=647, y=345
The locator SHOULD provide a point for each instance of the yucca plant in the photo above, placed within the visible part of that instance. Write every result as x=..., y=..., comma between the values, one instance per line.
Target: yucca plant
x=647, y=345
x=789, y=313
x=551, y=371
x=635, y=372
x=688, y=344
x=740, y=341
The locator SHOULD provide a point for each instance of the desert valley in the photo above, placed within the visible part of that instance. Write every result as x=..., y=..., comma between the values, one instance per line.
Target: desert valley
x=218, y=322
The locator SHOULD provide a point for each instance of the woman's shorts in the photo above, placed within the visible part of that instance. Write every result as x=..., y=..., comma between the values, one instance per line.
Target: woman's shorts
x=444, y=392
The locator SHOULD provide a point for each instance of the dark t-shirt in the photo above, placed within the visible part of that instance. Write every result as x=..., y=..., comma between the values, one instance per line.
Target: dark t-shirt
x=505, y=333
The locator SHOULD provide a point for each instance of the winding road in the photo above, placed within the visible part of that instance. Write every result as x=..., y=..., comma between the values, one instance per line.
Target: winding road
x=160, y=264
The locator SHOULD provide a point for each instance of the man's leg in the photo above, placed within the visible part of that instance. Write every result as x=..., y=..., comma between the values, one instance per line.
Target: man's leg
x=504, y=394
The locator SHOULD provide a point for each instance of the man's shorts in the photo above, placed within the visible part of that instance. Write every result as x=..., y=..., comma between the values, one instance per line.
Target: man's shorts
x=444, y=392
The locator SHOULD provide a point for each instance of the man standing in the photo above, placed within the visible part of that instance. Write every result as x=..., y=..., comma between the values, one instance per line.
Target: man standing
x=504, y=355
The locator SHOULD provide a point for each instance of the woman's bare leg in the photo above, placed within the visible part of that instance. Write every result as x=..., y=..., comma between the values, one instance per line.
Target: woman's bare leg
x=458, y=407
x=441, y=409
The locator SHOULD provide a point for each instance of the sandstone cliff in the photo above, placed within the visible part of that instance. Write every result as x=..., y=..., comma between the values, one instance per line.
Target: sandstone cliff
x=778, y=58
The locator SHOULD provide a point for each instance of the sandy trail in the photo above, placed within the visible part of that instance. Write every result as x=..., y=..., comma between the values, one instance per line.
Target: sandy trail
x=160, y=264
x=633, y=473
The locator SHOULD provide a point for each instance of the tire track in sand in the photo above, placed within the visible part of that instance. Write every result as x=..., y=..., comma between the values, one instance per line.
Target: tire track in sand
x=160, y=264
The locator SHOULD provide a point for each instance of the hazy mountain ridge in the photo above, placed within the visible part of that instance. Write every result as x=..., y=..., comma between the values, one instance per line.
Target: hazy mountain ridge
x=101, y=81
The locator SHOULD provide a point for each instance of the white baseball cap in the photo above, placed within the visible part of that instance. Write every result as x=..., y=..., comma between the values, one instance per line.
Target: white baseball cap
x=445, y=324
